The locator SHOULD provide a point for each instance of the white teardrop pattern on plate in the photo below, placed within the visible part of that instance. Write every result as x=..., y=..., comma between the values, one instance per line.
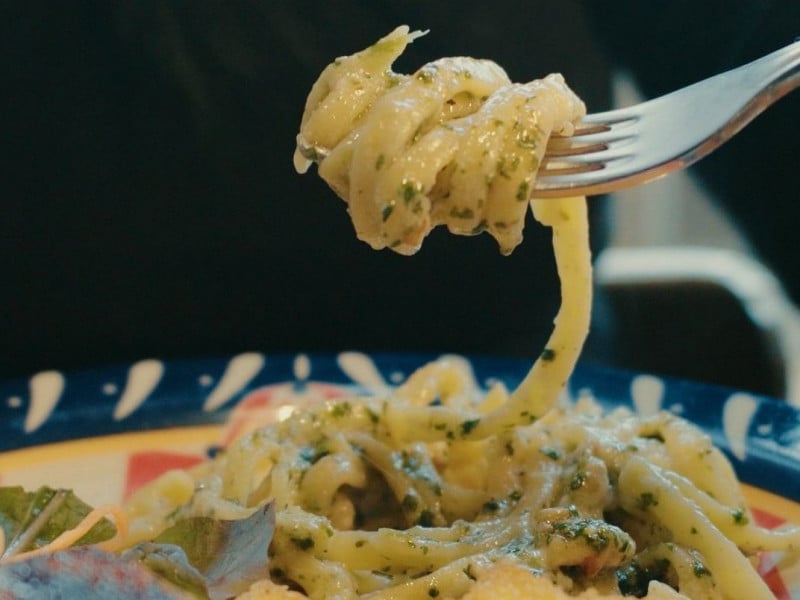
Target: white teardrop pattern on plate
x=302, y=367
x=45, y=392
x=737, y=416
x=240, y=371
x=143, y=377
x=647, y=393
x=362, y=370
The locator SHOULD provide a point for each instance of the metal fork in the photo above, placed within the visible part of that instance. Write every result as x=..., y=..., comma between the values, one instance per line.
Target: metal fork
x=629, y=146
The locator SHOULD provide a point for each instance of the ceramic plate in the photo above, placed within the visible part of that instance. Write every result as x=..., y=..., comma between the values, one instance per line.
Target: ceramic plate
x=107, y=431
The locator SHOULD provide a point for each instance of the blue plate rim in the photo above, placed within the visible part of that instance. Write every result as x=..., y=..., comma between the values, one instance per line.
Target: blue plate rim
x=759, y=434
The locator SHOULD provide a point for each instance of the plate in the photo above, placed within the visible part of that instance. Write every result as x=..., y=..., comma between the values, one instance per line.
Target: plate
x=105, y=432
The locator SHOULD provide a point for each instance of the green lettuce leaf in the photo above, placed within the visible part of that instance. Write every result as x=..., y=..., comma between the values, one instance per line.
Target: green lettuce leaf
x=199, y=557
x=170, y=563
x=229, y=554
x=31, y=520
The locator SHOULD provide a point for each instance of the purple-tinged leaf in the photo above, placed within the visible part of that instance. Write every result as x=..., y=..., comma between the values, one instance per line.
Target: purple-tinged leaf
x=84, y=573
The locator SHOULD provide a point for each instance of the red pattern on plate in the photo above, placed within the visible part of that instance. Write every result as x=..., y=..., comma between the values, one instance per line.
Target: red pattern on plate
x=143, y=467
x=767, y=565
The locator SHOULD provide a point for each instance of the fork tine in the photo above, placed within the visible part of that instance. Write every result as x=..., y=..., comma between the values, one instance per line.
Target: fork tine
x=606, y=128
x=561, y=169
x=582, y=128
x=571, y=149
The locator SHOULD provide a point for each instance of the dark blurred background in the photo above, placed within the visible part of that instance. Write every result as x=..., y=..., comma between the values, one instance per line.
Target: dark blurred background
x=150, y=206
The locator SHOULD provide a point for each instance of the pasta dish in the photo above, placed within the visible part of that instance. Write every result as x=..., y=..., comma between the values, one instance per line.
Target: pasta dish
x=443, y=489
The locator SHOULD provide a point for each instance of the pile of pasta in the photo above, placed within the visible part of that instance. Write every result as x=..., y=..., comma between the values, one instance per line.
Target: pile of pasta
x=397, y=497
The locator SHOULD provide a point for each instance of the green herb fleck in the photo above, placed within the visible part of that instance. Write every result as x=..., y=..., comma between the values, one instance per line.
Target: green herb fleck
x=647, y=499
x=304, y=543
x=522, y=191
x=433, y=591
x=479, y=228
x=578, y=480
x=360, y=543
x=468, y=426
x=550, y=453
x=312, y=454
x=341, y=409
x=387, y=212
x=410, y=502
x=425, y=518
x=411, y=462
x=379, y=162
x=548, y=354
x=699, y=569
x=408, y=191
x=527, y=139
x=464, y=213
x=740, y=518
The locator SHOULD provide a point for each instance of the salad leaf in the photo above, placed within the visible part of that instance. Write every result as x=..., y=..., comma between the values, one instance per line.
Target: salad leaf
x=170, y=562
x=199, y=558
x=31, y=520
x=229, y=554
x=84, y=572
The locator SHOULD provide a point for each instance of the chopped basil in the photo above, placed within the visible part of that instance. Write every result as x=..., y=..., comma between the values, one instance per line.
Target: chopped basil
x=550, y=453
x=410, y=502
x=463, y=213
x=548, y=354
x=425, y=518
x=522, y=191
x=469, y=425
x=479, y=228
x=740, y=518
x=699, y=569
x=341, y=409
x=647, y=499
x=303, y=543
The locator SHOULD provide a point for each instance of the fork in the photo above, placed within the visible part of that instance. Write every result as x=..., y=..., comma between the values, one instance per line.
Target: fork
x=630, y=146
